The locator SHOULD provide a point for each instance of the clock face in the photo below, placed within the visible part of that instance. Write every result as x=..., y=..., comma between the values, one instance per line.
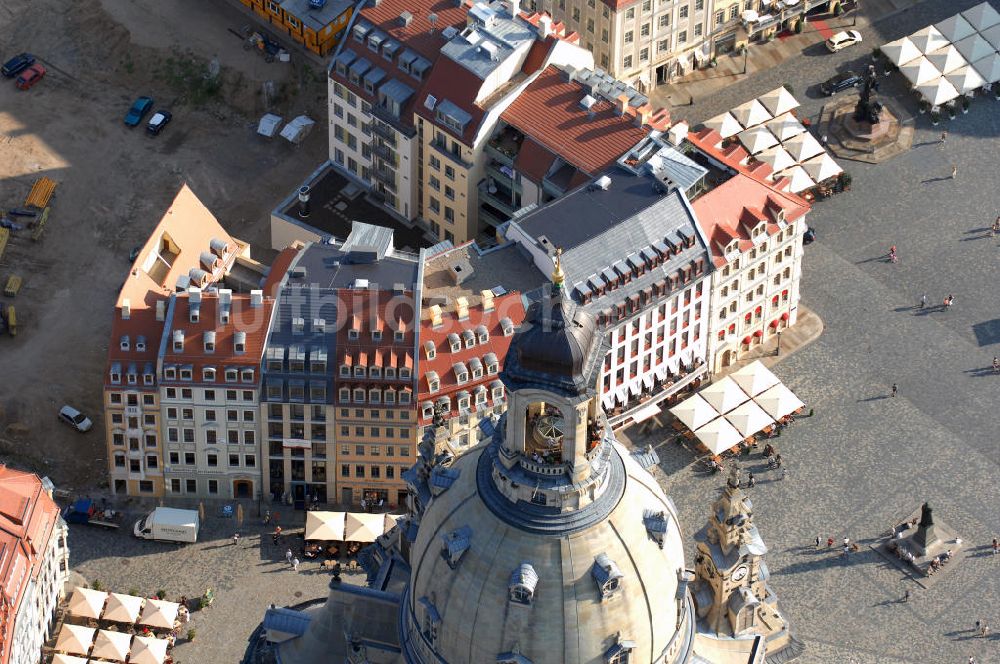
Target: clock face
x=739, y=573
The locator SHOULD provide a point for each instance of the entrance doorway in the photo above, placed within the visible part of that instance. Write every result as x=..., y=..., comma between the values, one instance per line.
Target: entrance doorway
x=662, y=74
x=121, y=487
x=725, y=45
x=299, y=496
x=242, y=489
x=347, y=495
x=728, y=357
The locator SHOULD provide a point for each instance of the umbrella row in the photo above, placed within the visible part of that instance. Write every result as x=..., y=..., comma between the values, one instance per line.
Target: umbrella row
x=77, y=642
x=347, y=526
x=736, y=407
x=117, y=607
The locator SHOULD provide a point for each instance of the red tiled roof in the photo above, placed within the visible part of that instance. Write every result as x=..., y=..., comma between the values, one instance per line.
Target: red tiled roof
x=450, y=80
x=537, y=54
x=420, y=35
x=533, y=160
x=549, y=111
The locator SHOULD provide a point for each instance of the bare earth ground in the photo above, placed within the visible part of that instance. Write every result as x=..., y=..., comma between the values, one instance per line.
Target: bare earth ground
x=115, y=183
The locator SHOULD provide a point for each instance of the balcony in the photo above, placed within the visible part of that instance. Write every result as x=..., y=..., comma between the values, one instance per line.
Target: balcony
x=385, y=132
x=385, y=176
x=500, y=198
x=503, y=175
x=441, y=148
x=385, y=152
x=504, y=145
x=490, y=217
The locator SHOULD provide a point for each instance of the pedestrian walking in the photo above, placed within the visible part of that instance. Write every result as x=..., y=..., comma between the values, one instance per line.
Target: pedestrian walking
x=784, y=473
x=995, y=228
x=923, y=300
x=972, y=660
x=847, y=541
x=892, y=254
x=944, y=136
x=236, y=539
x=906, y=596
x=984, y=629
x=288, y=556
x=847, y=551
x=948, y=301
x=276, y=535
x=996, y=364
x=750, y=480
x=829, y=542
x=894, y=390
x=817, y=541
x=295, y=565
x=996, y=546
x=954, y=172
x=267, y=517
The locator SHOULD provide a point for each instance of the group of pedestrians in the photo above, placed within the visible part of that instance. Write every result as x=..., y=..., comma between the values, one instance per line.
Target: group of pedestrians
x=948, y=301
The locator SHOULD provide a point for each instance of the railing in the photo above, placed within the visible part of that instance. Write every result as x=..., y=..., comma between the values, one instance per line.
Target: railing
x=384, y=151
x=499, y=155
x=657, y=397
x=497, y=202
x=549, y=469
x=384, y=132
x=442, y=149
x=385, y=176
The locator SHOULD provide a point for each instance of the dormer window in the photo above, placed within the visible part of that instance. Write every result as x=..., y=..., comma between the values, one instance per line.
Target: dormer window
x=469, y=338
x=140, y=344
x=208, y=374
x=147, y=379
x=454, y=343
x=246, y=375
x=433, y=382
x=210, y=342
x=186, y=373
x=344, y=394
x=404, y=373
x=399, y=336
x=374, y=372
x=374, y=395
x=620, y=653
x=482, y=334
x=359, y=395
x=194, y=312
x=522, y=584
x=607, y=575
x=360, y=372
x=429, y=351
x=232, y=375
x=464, y=400
x=124, y=343
x=461, y=372
x=376, y=335
x=390, y=396
x=354, y=332
x=427, y=410
x=507, y=325
x=456, y=543
x=240, y=342
x=169, y=373
x=431, y=620
x=480, y=395
x=178, y=341
x=405, y=396
x=492, y=365
x=496, y=389
x=390, y=372
x=116, y=373
x=476, y=365
x=132, y=378
x=345, y=371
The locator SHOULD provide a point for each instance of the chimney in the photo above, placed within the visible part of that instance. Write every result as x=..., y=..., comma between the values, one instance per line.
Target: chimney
x=161, y=310
x=487, y=296
x=225, y=296
x=435, y=315
x=515, y=8
x=461, y=308
x=304, y=201
x=544, y=25
x=642, y=114
x=621, y=104
x=256, y=298
x=126, y=309
x=194, y=295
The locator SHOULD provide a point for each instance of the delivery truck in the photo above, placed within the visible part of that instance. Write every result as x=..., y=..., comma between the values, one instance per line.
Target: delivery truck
x=167, y=524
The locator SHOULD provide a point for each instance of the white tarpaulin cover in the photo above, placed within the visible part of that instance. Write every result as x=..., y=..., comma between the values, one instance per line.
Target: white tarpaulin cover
x=928, y=39
x=992, y=36
x=785, y=126
x=123, y=608
x=390, y=521
x=694, y=412
x=919, y=71
x=778, y=101
x=988, y=68
x=325, y=526
x=822, y=167
x=725, y=124
x=159, y=613
x=748, y=418
x=803, y=147
x=901, y=51
x=946, y=59
x=777, y=158
x=966, y=79
x=751, y=114
x=363, y=527
x=754, y=378
x=268, y=125
x=724, y=395
x=778, y=401
x=75, y=639
x=718, y=435
x=757, y=139
x=982, y=16
x=938, y=91
x=147, y=650
x=975, y=47
x=296, y=130
x=112, y=645
x=87, y=603
x=954, y=28
x=800, y=180
x=646, y=412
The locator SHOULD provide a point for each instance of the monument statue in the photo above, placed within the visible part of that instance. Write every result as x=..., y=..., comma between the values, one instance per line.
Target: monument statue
x=925, y=535
x=868, y=109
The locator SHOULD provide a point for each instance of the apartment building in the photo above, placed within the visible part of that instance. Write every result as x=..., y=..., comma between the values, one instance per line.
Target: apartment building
x=472, y=305
x=188, y=246
x=642, y=42
x=34, y=567
x=754, y=226
x=316, y=24
x=634, y=257
x=566, y=128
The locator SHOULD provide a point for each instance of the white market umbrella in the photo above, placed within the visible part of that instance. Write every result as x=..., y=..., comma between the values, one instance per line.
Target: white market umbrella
x=87, y=603
x=749, y=418
x=976, y=47
x=777, y=158
x=919, y=71
x=75, y=639
x=966, y=79
x=938, y=91
x=694, y=412
x=822, y=167
x=751, y=114
x=123, y=608
x=363, y=527
x=799, y=180
x=901, y=51
x=992, y=37
x=757, y=139
x=785, y=126
x=778, y=101
x=148, y=650
x=159, y=613
x=724, y=395
x=988, y=68
x=60, y=658
x=390, y=521
x=955, y=28
x=327, y=526
x=982, y=16
x=778, y=401
x=947, y=59
x=718, y=435
x=803, y=147
x=725, y=124
x=928, y=40
x=112, y=645
x=754, y=378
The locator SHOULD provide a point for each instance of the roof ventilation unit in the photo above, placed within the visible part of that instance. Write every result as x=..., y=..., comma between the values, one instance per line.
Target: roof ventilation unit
x=405, y=18
x=601, y=183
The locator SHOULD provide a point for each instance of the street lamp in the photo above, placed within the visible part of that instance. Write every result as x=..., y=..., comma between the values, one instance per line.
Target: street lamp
x=777, y=351
x=854, y=16
x=746, y=54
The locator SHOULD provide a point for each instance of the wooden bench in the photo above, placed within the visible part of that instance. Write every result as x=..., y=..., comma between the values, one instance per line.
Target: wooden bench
x=13, y=285
x=4, y=236
x=36, y=232
x=41, y=192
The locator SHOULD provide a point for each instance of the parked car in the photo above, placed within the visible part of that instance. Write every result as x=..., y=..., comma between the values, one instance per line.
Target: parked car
x=158, y=122
x=842, y=40
x=30, y=76
x=809, y=236
x=17, y=64
x=840, y=82
x=75, y=419
x=140, y=107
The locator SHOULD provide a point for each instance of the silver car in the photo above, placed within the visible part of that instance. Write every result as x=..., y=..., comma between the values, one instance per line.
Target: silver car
x=75, y=419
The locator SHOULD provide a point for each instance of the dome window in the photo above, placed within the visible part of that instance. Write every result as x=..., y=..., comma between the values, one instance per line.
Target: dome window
x=456, y=543
x=656, y=525
x=607, y=575
x=620, y=653
x=521, y=588
x=431, y=621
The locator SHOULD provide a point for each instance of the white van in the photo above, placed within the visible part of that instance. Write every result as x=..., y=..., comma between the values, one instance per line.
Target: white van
x=168, y=524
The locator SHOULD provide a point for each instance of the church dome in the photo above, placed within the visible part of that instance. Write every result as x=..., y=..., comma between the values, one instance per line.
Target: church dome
x=557, y=341
x=487, y=588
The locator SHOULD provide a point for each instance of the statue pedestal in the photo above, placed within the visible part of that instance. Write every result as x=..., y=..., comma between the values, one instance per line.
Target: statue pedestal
x=862, y=140
x=903, y=541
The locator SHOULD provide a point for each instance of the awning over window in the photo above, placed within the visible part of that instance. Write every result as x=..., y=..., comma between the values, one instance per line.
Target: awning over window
x=784, y=316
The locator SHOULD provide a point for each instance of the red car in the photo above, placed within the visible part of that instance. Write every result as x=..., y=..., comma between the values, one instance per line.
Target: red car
x=30, y=76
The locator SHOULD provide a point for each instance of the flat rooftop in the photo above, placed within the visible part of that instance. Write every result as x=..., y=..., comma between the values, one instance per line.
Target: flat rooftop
x=504, y=267
x=328, y=267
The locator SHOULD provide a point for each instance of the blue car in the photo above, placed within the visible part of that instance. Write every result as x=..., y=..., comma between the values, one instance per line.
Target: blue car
x=17, y=64
x=140, y=107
